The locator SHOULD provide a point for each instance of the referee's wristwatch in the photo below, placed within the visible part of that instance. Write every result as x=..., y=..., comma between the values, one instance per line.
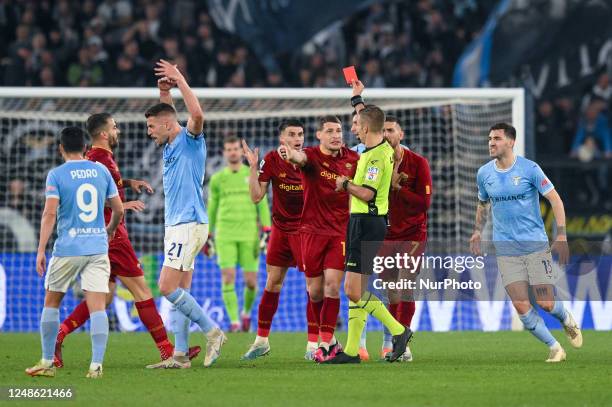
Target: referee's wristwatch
x=345, y=184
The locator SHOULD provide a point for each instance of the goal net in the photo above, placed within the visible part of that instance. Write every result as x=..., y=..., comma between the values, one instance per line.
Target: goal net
x=448, y=126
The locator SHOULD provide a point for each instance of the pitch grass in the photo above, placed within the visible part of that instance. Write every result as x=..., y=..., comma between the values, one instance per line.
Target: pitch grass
x=450, y=369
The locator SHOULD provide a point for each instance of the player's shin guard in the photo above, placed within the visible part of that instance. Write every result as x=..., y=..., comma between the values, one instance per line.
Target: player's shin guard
x=249, y=295
x=559, y=311
x=535, y=324
x=328, y=318
x=77, y=318
x=313, y=325
x=186, y=304
x=405, y=312
x=49, y=325
x=147, y=311
x=99, y=336
x=371, y=304
x=179, y=324
x=356, y=322
x=230, y=299
x=267, y=309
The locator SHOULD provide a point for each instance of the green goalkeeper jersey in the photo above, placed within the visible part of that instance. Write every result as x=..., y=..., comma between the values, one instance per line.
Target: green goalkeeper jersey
x=231, y=213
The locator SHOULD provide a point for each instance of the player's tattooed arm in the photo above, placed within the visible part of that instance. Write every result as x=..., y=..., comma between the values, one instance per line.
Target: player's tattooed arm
x=257, y=189
x=560, y=244
x=482, y=213
x=47, y=224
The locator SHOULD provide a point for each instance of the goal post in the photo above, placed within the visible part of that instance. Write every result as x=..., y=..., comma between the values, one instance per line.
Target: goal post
x=447, y=126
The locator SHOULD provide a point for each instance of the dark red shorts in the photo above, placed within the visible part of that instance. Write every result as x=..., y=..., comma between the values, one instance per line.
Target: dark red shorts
x=322, y=252
x=123, y=260
x=413, y=248
x=284, y=249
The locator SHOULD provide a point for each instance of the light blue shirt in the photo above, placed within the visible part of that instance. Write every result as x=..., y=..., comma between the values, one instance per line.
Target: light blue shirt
x=359, y=148
x=515, y=205
x=82, y=187
x=183, y=175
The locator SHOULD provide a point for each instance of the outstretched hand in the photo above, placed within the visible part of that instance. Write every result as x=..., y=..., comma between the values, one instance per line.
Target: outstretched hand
x=252, y=156
x=285, y=151
x=168, y=71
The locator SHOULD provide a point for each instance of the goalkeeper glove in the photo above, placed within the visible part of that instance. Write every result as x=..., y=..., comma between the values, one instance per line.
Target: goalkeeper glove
x=209, y=246
x=265, y=237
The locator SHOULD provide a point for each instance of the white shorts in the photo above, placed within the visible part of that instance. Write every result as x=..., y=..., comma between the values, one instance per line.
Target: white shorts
x=94, y=271
x=182, y=243
x=535, y=268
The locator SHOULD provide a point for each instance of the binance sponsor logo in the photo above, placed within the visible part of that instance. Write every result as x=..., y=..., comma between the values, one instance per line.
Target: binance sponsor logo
x=328, y=175
x=291, y=187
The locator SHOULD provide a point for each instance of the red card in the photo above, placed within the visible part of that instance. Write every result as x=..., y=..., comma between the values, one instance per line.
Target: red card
x=350, y=75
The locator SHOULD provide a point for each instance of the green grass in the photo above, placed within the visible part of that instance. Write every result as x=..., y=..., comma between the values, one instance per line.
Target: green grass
x=458, y=369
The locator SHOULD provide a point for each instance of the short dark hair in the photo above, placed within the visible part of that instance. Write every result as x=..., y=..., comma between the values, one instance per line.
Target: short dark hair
x=392, y=119
x=160, y=108
x=329, y=118
x=73, y=139
x=509, y=130
x=374, y=116
x=230, y=140
x=290, y=123
x=96, y=123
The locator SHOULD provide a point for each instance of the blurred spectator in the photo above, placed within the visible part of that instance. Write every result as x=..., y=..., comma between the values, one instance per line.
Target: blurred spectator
x=85, y=72
x=593, y=139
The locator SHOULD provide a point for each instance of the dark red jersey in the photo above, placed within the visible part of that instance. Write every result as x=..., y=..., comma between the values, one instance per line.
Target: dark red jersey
x=408, y=206
x=287, y=191
x=105, y=157
x=326, y=212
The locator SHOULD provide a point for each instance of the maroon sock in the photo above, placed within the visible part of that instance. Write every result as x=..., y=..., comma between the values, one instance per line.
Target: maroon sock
x=77, y=318
x=406, y=312
x=313, y=326
x=147, y=311
x=394, y=310
x=267, y=309
x=329, y=317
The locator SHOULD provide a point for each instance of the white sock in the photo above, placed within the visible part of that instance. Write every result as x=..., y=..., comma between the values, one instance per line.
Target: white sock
x=94, y=366
x=555, y=345
x=312, y=345
x=47, y=363
x=261, y=339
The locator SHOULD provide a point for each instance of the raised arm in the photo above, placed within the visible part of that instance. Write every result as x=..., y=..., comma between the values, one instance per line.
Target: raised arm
x=357, y=101
x=164, y=85
x=257, y=188
x=195, y=123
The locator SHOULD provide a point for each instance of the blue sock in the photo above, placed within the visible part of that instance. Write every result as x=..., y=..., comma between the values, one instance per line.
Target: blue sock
x=99, y=335
x=535, y=324
x=387, y=338
x=558, y=311
x=49, y=325
x=186, y=304
x=180, y=327
x=364, y=334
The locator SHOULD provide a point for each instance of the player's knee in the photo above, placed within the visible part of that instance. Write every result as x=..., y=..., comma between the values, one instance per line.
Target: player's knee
x=332, y=289
x=522, y=307
x=316, y=295
x=352, y=291
x=166, y=289
x=546, y=305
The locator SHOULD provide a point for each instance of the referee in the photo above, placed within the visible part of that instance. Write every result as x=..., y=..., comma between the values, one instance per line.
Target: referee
x=369, y=192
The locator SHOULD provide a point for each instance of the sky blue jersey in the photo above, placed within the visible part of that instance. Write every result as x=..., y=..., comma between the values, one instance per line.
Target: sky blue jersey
x=183, y=175
x=82, y=187
x=515, y=202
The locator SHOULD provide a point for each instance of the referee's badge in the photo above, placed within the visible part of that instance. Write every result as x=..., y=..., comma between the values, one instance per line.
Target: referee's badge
x=372, y=173
x=516, y=180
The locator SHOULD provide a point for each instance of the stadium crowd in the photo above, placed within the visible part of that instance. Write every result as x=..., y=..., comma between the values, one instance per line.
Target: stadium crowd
x=395, y=44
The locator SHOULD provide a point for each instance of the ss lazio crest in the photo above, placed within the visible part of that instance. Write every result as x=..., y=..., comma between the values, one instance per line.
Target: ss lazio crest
x=516, y=180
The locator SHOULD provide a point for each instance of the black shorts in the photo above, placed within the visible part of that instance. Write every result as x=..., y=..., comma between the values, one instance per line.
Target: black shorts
x=364, y=236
